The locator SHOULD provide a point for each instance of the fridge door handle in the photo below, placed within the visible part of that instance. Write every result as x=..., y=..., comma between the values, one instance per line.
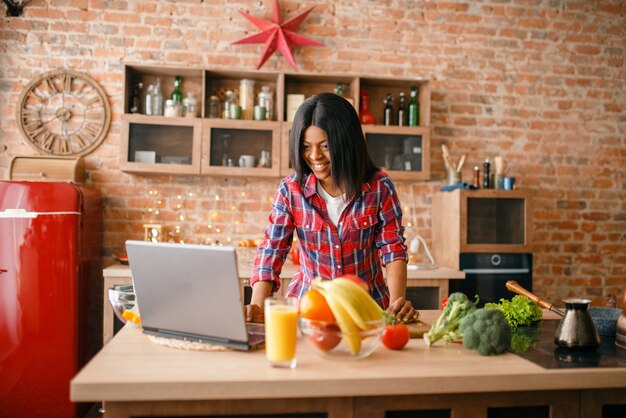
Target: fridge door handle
x=3, y=271
x=496, y=271
x=24, y=214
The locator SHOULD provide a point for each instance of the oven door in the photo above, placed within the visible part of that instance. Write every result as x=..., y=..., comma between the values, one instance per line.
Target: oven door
x=486, y=275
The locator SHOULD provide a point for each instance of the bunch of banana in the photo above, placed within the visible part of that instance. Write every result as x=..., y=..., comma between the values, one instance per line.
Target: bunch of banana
x=352, y=306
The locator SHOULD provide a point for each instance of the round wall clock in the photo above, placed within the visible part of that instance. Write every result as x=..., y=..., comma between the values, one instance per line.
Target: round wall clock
x=63, y=113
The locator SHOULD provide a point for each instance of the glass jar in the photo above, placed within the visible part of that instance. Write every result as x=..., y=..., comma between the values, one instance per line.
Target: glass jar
x=190, y=105
x=214, y=107
x=246, y=98
x=266, y=100
x=171, y=109
x=230, y=98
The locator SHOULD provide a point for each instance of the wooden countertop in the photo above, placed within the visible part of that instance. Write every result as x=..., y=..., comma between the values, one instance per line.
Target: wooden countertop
x=131, y=367
x=289, y=269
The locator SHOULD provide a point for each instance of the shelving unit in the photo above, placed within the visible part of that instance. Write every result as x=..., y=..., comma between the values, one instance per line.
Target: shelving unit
x=206, y=146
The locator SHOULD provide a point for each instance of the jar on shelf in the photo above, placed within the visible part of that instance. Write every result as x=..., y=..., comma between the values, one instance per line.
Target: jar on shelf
x=266, y=100
x=190, y=105
x=246, y=98
x=214, y=107
x=230, y=99
x=171, y=109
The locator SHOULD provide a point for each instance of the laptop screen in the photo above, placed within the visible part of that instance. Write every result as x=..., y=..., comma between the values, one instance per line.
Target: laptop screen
x=188, y=291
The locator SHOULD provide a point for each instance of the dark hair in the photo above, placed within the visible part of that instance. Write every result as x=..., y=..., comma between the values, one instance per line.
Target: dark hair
x=350, y=163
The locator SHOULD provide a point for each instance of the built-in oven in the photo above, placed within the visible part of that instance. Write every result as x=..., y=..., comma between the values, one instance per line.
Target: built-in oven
x=487, y=273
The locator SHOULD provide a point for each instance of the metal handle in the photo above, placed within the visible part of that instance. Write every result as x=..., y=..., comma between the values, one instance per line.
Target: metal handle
x=496, y=271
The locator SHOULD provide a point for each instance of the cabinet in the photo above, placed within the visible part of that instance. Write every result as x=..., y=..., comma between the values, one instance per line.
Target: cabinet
x=480, y=221
x=229, y=147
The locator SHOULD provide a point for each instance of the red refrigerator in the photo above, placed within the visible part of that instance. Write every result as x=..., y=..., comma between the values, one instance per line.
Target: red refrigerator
x=50, y=248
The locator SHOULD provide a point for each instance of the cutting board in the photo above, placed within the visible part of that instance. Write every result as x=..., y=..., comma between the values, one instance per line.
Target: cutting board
x=418, y=329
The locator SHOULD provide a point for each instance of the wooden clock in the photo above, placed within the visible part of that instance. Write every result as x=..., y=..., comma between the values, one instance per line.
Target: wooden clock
x=63, y=113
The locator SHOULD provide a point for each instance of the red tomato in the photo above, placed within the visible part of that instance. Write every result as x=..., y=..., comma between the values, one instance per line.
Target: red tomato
x=444, y=303
x=356, y=279
x=313, y=305
x=395, y=337
x=325, y=337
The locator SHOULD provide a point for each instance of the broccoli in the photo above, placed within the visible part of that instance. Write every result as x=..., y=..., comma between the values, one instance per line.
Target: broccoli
x=487, y=331
x=447, y=325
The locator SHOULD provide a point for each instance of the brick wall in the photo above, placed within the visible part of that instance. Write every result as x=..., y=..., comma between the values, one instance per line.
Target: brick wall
x=540, y=82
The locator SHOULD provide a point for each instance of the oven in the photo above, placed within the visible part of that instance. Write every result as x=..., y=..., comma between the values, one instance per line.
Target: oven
x=487, y=273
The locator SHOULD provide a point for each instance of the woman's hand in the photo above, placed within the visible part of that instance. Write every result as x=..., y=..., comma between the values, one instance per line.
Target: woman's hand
x=254, y=313
x=403, y=310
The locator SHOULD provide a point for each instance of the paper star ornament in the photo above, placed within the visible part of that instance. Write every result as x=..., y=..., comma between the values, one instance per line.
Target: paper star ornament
x=276, y=34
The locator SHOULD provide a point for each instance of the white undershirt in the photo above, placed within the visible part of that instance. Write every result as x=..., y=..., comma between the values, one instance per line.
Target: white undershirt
x=334, y=205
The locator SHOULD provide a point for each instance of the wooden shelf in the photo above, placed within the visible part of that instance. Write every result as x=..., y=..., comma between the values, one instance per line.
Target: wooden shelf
x=191, y=146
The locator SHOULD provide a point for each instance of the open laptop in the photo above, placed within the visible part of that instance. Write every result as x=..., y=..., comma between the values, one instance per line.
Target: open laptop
x=191, y=292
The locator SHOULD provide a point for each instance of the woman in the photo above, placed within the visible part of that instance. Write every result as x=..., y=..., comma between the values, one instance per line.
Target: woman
x=344, y=210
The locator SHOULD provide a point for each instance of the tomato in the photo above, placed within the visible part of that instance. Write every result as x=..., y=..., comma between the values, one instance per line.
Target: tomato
x=396, y=336
x=444, y=303
x=356, y=279
x=325, y=336
x=313, y=305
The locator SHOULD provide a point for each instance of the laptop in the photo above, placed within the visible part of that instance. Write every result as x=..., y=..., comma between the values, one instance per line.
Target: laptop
x=191, y=292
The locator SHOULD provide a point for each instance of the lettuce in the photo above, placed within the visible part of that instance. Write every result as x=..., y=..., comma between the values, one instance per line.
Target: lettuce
x=519, y=311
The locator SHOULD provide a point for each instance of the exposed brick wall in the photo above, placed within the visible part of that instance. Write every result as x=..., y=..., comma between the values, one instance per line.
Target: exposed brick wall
x=540, y=82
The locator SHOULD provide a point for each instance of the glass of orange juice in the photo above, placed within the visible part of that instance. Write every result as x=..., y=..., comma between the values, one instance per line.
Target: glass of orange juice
x=281, y=329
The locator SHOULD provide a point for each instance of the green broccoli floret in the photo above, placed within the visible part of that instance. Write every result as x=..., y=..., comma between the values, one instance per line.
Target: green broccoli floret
x=447, y=325
x=487, y=331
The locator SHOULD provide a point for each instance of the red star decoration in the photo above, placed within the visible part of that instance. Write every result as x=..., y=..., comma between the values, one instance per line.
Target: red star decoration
x=277, y=34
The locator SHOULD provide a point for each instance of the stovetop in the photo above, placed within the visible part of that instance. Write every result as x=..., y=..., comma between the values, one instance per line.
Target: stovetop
x=536, y=344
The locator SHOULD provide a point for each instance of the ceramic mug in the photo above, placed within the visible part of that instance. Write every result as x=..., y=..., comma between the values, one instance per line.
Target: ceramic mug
x=246, y=161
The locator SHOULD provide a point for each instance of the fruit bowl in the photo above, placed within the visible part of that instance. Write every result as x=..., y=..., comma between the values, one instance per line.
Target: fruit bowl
x=328, y=341
x=121, y=297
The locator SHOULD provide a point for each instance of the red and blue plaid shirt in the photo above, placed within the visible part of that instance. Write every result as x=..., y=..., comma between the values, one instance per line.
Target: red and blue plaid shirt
x=369, y=232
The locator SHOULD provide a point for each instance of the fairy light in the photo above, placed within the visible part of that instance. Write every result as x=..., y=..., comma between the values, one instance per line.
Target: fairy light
x=243, y=194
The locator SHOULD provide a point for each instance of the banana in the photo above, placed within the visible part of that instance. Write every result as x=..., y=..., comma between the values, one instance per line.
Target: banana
x=350, y=302
x=371, y=310
x=344, y=320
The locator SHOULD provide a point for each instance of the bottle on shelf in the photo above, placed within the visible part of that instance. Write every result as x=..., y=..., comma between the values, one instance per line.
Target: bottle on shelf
x=134, y=100
x=486, y=182
x=190, y=105
x=476, y=179
x=414, y=108
x=365, y=114
x=149, y=101
x=339, y=89
x=266, y=100
x=388, y=111
x=177, y=96
x=157, y=103
x=402, y=110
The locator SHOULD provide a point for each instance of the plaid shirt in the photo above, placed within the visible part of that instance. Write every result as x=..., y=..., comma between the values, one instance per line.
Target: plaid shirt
x=369, y=231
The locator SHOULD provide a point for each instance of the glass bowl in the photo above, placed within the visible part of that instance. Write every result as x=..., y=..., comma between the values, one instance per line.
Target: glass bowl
x=328, y=341
x=121, y=297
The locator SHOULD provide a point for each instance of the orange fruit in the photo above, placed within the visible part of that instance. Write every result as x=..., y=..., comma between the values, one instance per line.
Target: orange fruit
x=313, y=305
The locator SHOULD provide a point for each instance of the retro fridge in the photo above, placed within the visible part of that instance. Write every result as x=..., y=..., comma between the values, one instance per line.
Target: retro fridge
x=50, y=248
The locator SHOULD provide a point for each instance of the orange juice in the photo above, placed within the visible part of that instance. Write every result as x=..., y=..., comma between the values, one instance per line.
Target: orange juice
x=281, y=327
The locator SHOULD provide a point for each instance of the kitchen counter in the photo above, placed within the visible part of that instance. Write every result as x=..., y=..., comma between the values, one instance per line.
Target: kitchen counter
x=120, y=274
x=136, y=377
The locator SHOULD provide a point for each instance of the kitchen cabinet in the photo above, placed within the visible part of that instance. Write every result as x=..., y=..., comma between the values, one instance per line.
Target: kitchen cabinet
x=480, y=221
x=213, y=146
